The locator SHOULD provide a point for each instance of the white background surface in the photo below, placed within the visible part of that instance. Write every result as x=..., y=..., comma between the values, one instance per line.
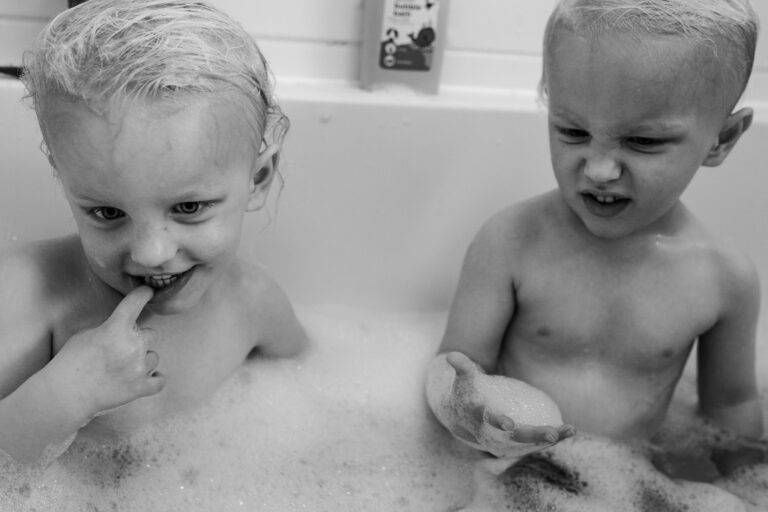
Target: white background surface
x=491, y=43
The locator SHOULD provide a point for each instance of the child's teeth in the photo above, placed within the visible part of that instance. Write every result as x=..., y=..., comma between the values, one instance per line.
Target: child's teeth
x=160, y=281
x=606, y=200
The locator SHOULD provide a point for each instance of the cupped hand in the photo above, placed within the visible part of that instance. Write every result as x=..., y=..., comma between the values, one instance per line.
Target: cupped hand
x=102, y=368
x=501, y=415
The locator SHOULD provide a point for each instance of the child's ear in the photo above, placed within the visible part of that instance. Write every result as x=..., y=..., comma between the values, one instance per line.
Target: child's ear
x=261, y=177
x=735, y=124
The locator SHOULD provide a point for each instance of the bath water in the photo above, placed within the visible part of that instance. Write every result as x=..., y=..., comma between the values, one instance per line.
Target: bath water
x=346, y=427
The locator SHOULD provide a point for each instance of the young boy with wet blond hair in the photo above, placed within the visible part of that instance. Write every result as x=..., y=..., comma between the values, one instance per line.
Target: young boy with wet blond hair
x=159, y=119
x=597, y=292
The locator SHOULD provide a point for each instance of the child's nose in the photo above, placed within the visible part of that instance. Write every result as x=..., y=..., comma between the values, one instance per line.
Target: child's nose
x=602, y=167
x=152, y=245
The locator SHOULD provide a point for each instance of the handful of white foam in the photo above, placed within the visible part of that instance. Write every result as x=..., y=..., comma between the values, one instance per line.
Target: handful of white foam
x=517, y=400
x=519, y=418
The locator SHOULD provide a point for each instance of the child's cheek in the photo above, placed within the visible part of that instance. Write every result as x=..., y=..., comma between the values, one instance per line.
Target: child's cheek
x=217, y=239
x=100, y=251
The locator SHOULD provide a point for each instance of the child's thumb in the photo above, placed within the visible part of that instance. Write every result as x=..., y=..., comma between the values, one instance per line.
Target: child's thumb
x=463, y=365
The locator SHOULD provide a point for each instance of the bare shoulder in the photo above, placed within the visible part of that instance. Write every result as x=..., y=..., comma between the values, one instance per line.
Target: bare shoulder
x=504, y=246
x=518, y=227
x=259, y=288
x=735, y=272
x=727, y=267
x=270, y=312
x=40, y=273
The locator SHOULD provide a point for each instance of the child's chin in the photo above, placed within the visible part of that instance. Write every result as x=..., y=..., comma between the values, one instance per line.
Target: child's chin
x=172, y=307
x=606, y=229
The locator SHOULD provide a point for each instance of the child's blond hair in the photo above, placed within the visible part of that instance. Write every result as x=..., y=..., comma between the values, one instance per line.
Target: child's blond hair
x=107, y=51
x=728, y=27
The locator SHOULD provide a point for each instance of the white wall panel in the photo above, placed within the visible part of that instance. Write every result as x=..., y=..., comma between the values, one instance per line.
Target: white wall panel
x=491, y=43
x=498, y=25
x=329, y=20
x=31, y=8
x=16, y=35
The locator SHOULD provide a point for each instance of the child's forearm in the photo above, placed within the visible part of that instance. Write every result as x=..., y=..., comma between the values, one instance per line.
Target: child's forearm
x=744, y=418
x=34, y=417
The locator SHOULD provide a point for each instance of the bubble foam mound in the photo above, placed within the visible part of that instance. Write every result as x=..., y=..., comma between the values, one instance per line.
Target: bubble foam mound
x=520, y=401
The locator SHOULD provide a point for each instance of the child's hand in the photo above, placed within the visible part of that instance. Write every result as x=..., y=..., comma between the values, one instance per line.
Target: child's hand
x=108, y=366
x=500, y=415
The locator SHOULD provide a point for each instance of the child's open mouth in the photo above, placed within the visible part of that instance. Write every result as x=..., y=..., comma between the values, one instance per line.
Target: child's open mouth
x=604, y=205
x=164, y=285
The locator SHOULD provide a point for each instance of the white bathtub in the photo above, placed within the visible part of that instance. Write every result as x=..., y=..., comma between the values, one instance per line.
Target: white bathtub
x=383, y=192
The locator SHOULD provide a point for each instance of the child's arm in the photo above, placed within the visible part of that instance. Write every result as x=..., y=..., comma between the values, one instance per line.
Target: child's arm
x=25, y=348
x=482, y=308
x=727, y=384
x=97, y=370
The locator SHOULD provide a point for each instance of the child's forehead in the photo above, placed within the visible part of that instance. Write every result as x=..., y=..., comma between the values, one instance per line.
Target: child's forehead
x=650, y=49
x=668, y=66
x=217, y=127
x=124, y=135
x=222, y=107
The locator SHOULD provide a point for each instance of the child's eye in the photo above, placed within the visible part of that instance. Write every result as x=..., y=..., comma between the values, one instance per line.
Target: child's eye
x=572, y=134
x=191, y=207
x=106, y=213
x=645, y=142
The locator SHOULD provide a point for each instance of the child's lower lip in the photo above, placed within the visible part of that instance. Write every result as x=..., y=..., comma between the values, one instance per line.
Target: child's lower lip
x=599, y=209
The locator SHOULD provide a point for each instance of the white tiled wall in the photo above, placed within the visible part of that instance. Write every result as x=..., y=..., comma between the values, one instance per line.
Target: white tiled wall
x=20, y=21
x=491, y=43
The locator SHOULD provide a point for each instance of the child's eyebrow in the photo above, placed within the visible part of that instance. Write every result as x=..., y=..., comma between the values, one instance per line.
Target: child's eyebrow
x=659, y=126
x=184, y=197
x=560, y=114
x=188, y=197
x=84, y=196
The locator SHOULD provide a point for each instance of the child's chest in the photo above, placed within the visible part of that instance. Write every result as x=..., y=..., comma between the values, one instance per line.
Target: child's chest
x=196, y=356
x=645, y=314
